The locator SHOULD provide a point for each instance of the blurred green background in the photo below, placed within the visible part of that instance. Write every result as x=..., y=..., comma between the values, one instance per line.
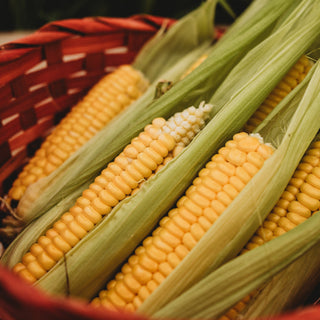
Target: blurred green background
x=32, y=14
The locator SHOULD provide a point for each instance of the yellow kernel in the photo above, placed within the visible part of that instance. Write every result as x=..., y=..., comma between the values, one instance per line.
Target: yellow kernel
x=84, y=222
x=243, y=175
x=187, y=215
x=295, y=218
x=210, y=214
x=36, y=269
x=172, y=228
x=211, y=184
x=287, y=196
x=265, y=234
x=147, y=161
x=156, y=254
x=204, y=223
x=248, y=144
x=310, y=190
x=27, y=275
x=181, y=251
x=224, y=198
x=226, y=168
x=218, y=206
x=142, y=168
x=256, y=159
x=199, y=201
x=309, y=202
x=123, y=291
x=237, y=183
x=143, y=293
x=82, y=202
x=181, y=223
x=236, y=157
x=142, y=275
x=230, y=190
x=286, y=224
x=28, y=257
x=152, y=285
x=108, y=198
x=197, y=231
x=148, y=263
x=204, y=191
x=165, y=268
x=100, y=206
x=189, y=241
x=46, y=261
x=92, y=214
x=131, y=282
x=219, y=176
x=250, y=168
x=173, y=259
x=313, y=180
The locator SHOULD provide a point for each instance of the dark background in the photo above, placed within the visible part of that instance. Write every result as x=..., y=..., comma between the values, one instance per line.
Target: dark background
x=32, y=14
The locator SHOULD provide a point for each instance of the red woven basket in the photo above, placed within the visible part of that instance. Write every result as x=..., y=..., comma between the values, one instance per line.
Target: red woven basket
x=42, y=76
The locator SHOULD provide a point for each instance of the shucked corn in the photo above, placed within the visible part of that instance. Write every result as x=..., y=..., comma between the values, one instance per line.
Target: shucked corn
x=295, y=75
x=297, y=203
x=136, y=163
x=112, y=94
x=205, y=200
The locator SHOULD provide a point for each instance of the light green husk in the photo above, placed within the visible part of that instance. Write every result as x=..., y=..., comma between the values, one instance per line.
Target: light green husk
x=296, y=284
x=113, y=240
x=185, y=35
x=224, y=240
x=224, y=287
x=251, y=28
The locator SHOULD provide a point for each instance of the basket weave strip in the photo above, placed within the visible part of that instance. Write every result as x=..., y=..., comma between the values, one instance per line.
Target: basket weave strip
x=44, y=74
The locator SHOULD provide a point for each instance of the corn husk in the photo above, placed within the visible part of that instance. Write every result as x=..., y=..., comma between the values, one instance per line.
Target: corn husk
x=224, y=240
x=214, y=295
x=108, y=245
x=251, y=28
x=296, y=284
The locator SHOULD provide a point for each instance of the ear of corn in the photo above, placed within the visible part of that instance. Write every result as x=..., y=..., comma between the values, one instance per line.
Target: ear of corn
x=126, y=219
x=261, y=16
x=243, y=274
x=298, y=202
x=296, y=74
x=204, y=201
x=111, y=95
x=160, y=142
x=225, y=239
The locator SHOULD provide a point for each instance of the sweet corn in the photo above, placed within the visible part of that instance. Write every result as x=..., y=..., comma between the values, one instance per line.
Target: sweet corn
x=205, y=200
x=111, y=95
x=297, y=203
x=138, y=161
x=295, y=75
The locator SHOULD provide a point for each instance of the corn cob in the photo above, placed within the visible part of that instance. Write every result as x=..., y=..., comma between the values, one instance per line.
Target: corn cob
x=295, y=75
x=205, y=200
x=297, y=203
x=134, y=165
x=112, y=94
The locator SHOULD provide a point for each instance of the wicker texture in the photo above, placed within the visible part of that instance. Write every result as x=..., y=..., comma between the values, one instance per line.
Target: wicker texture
x=44, y=74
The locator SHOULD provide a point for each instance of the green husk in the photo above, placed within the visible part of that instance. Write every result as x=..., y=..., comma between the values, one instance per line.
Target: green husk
x=216, y=293
x=185, y=35
x=225, y=239
x=134, y=217
x=251, y=28
x=295, y=283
